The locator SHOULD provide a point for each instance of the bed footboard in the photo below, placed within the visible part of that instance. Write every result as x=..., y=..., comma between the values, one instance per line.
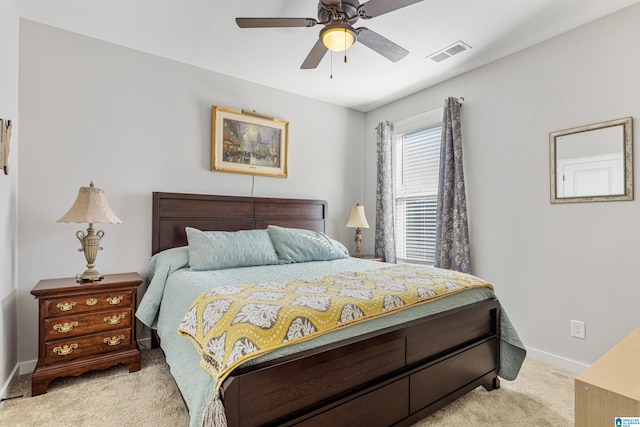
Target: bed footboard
x=414, y=369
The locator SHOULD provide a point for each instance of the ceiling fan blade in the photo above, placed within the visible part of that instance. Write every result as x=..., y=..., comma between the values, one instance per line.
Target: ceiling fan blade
x=330, y=2
x=374, y=8
x=275, y=22
x=315, y=56
x=383, y=46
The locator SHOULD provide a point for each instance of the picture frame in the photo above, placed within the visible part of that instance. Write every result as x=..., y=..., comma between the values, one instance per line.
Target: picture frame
x=592, y=163
x=249, y=143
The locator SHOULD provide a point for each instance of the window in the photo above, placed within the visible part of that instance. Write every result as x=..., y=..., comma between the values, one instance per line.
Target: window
x=416, y=168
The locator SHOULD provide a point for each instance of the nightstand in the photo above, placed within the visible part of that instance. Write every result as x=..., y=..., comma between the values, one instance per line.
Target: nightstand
x=85, y=327
x=368, y=257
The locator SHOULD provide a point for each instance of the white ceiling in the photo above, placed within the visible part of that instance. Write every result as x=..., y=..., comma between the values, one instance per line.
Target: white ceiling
x=203, y=33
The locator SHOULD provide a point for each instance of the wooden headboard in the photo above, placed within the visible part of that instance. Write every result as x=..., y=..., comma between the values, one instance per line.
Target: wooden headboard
x=172, y=212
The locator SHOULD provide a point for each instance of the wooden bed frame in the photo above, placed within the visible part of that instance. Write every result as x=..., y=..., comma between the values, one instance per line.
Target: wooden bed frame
x=392, y=377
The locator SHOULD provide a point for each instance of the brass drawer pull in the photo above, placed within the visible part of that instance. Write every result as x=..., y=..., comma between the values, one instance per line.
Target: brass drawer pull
x=66, y=327
x=66, y=306
x=114, y=320
x=92, y=301
x=113, y=340
x=114, y=300
x=64, y=350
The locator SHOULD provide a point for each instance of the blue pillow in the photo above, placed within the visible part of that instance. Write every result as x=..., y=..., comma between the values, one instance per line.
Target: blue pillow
x=297, y=245
x=215, y=250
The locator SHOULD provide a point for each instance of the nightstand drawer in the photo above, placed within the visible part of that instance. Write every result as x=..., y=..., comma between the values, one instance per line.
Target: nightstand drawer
x=72, y=348
x=82, y=304
x=83, y=324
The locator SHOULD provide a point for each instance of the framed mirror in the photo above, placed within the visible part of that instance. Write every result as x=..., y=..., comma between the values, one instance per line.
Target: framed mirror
x=592, y=163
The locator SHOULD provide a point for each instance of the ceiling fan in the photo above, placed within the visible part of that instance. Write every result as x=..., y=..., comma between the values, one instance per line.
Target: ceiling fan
x=338, y=34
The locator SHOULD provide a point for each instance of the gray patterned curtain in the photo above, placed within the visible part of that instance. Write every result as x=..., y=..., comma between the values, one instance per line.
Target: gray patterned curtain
x=385, y=242
x=452, y=231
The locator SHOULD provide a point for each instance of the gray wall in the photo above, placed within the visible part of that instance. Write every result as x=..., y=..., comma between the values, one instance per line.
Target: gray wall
x=549, y=263
x=135, y=123
x=9, y=30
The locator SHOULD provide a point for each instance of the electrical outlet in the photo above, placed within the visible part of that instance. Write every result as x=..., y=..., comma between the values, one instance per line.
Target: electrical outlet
x=578, y=329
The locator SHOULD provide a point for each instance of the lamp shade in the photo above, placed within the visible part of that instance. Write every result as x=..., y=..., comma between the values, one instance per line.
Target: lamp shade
x=91, y=206
x=357, y=218
x=338, y=37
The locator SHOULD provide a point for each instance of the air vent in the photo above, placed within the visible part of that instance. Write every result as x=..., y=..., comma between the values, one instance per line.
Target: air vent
x=449, y=51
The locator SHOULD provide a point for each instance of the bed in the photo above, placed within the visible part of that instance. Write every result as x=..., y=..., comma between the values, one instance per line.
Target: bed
x=392, y=370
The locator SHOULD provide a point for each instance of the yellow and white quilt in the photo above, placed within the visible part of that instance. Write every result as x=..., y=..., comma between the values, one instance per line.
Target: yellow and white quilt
x=232, y=324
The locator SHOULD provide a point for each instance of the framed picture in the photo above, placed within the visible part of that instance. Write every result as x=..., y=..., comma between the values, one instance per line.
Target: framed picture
x=248, y=143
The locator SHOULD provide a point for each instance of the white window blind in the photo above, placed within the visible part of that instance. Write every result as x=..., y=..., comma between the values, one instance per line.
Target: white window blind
x=416, y=169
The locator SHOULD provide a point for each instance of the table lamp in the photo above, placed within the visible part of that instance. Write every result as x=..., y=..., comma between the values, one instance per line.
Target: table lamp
x=357, y=220
x=91, y=206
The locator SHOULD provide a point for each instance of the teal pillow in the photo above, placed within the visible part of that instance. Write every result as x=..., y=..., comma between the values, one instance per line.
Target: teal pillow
x=215, y=250
x=297, y=245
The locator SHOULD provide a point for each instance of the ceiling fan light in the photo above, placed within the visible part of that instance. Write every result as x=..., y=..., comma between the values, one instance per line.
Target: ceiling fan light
x=338, y=37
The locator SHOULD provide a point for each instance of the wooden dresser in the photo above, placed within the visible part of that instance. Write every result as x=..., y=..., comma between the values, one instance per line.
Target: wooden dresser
x=610, y=387
x=85, y=327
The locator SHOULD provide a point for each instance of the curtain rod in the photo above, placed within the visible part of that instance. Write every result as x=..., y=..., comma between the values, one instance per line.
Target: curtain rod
x=460, y=100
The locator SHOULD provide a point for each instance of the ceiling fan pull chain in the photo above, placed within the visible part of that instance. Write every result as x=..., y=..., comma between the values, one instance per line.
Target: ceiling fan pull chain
x=331, y=65
x=345, y=45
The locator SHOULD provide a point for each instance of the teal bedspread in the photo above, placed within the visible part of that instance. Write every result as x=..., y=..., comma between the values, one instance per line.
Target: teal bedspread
x=173, y=287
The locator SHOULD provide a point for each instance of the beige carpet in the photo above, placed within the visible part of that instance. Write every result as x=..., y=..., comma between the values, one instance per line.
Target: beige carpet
x=541, y=396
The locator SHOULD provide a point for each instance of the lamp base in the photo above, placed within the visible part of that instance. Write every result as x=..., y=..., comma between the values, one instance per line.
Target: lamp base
x=89, y=275
x=90, y=246
x=358, y=240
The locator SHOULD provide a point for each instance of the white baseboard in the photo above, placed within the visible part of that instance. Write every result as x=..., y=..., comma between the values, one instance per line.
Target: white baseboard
x=559, y=361
x=144, y=343
x=4, y=391
x=27, y=367
x=21, y=368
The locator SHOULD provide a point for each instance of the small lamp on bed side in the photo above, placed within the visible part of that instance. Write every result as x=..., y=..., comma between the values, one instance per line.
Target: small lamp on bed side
x=357, y=220
x=91, y=206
